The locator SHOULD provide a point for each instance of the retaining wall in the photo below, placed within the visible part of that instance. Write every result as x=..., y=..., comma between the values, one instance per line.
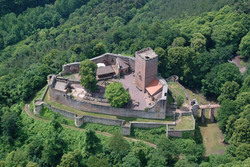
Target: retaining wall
x=158, y=111
x=99, y=120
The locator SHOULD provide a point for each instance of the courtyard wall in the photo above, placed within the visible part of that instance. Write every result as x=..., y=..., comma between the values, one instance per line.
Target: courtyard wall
x=107, y=58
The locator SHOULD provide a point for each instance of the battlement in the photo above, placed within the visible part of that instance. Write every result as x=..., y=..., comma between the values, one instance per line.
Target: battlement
x=146, y=53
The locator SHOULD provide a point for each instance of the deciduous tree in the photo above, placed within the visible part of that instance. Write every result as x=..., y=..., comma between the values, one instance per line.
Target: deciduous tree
x=88, y=74
x=117, y=95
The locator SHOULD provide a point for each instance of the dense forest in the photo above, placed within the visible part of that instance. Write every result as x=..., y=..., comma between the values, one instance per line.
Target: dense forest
x=193, y=38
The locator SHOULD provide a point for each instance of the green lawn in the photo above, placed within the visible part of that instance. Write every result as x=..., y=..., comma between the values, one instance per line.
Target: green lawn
x=212, y=139
x=78, y=112
x=186, y=123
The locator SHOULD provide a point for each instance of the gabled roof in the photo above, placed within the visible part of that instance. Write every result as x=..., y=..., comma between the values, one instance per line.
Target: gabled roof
x=154, y=87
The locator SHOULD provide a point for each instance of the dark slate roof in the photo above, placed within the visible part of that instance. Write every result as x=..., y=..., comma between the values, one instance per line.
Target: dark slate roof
x=105, y=70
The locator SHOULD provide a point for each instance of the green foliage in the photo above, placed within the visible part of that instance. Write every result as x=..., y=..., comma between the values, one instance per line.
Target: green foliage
x=58, y=33
x=92, y=144
x=10, y=126
x=179, y=100
x=166, y=153
x=117, y=95
x=71, y=159
x=185, y=163
x=244, y=47
x=242, y=151
x=100, y=127
x=241, y=133
x=118, y=144
x=241, y=101
x=130, y=160
x=32, y=164
x=16, y=158
x=181, y=63
x=99, y=49
x=150, y=135
x=179, y=42
x=227, y=108
x=20, y=6
x=141, y=151
x=216, y=160
x=229, y=90
x=218, y=76
x=246, y=85
x=97, y=162
x=49, y=114
x=198, y=42
x=88, y=74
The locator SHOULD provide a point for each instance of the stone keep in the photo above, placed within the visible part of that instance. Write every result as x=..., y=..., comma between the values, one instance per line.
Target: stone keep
x=146, y=67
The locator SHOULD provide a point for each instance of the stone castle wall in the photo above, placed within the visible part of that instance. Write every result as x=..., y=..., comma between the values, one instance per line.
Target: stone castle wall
x=108, y=58
x=125, y=128
x=105, y=121
x=158, y=111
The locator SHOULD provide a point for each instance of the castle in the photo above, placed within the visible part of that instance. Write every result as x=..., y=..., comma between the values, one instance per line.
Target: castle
x=138, y=75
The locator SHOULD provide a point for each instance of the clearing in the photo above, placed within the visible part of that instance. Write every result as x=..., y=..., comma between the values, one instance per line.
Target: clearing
x=212, y=138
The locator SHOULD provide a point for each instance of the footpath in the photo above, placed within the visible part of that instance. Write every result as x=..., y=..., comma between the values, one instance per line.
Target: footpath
x=27, y=111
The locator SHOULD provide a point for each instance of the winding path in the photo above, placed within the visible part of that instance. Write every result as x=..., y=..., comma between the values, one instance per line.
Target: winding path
x=27, y=111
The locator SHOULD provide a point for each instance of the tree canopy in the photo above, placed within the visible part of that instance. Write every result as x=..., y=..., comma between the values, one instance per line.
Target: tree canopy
x=117, y=95
x=88, y=74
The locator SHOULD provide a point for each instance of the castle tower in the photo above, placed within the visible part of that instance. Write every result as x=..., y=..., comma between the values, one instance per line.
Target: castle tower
x=146, y=67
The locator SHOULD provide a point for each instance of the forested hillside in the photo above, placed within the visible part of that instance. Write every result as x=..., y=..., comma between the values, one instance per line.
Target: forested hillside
x=193, y=38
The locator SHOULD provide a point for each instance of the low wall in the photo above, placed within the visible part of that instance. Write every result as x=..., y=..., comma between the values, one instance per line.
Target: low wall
x=175, y=133
x=147, y=124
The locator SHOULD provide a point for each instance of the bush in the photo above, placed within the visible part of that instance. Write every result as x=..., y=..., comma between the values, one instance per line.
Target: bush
x=179, y=101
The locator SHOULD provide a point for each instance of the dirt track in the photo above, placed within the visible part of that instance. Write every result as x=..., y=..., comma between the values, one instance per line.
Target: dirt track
x=27, y=111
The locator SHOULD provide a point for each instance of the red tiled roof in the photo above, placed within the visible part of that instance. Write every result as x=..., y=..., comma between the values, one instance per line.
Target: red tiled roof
x=154, y=87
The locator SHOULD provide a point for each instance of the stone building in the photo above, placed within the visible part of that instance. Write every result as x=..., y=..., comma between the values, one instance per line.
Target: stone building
x=146, y=67
x=138, y=76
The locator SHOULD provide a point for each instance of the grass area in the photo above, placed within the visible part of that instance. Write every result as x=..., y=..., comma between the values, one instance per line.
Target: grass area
x=212, y=138
x=78, y=112
x=177, y=90
x=150, y=135
x=186, y=123
x=48, y=114
x=199, y=97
